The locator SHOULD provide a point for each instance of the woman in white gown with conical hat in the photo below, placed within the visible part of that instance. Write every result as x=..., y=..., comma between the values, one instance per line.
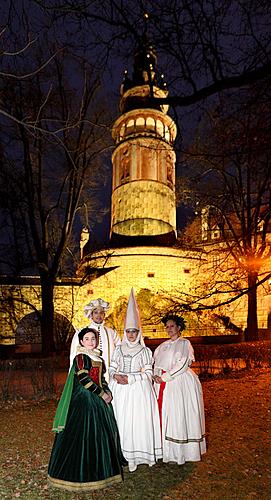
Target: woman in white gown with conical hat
x=134, y=401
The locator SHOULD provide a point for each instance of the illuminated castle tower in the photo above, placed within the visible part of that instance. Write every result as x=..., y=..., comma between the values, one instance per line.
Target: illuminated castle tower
x=143, y=185
x=142, y=252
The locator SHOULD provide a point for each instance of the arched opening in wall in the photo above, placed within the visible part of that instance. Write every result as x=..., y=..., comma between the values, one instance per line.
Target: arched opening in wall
x=122, y=132
x=160, y=128
x=150, y=123
x=28, y=333
x=167, y=134
x=140, y=123
x=130, y=127
x=172, y=131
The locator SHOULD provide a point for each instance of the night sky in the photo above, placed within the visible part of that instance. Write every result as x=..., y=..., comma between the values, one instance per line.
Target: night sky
x=198, y=45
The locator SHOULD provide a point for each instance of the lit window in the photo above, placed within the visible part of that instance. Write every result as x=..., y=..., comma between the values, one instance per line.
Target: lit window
x=150, y=123
x=160, y=128
x=122, y=131
x=130, y=123
x=167, y=134
x=140, y=122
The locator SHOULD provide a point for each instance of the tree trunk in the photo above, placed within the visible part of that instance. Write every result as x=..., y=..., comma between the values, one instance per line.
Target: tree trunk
x=47, y=315
x=252, y=319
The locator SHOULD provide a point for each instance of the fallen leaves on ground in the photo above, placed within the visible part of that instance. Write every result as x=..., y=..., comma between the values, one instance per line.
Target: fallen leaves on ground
x=237, y=464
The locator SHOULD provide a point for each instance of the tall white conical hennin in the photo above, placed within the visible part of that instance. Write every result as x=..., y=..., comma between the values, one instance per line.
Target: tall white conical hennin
x=132, y=319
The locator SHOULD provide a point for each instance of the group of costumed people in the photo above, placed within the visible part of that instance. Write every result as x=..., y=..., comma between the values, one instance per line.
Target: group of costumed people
x=122, y=406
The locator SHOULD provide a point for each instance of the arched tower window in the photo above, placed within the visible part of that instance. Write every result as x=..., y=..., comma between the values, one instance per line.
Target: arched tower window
x=150, y=123
x=160, y=128
x=170, y=168
x=130, y=125
x=167, y=134
x=125, y=165
x=122, y=131
x=140, y=122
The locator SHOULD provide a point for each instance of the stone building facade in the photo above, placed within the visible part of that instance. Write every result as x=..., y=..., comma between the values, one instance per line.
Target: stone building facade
x=143, y=251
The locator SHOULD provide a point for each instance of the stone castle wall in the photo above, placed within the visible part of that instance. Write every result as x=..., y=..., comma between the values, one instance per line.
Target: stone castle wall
x=163, y=271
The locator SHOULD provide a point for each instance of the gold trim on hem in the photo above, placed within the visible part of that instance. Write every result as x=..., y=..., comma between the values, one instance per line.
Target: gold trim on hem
x=185, y=441
x=94, y=485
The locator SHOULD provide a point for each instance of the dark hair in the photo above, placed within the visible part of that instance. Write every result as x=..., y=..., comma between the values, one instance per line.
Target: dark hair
x=87, y=330
x=179, y=320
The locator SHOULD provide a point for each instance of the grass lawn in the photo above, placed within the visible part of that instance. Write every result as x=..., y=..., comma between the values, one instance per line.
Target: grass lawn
x=237, y=464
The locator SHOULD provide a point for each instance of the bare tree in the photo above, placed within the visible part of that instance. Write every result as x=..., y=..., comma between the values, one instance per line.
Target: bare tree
x=232, y=159
x=205, y=47
x=52, y=135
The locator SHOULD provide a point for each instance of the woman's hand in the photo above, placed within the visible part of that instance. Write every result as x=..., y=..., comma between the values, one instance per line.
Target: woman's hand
x=121, y=379
x=157, y=379
x=107, y=397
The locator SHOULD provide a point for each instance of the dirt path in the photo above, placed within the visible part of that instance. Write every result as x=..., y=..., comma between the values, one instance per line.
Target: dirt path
x=236, y=466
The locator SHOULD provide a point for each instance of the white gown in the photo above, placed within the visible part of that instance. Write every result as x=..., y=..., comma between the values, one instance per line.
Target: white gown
x=135, y=405
x=182, y=412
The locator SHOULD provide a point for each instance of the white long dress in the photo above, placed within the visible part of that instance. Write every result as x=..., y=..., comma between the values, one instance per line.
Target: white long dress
x=181, y=404
x=135, y=405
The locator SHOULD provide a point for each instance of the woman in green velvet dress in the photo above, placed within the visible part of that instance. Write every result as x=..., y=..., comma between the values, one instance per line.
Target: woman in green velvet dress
x=86, y=454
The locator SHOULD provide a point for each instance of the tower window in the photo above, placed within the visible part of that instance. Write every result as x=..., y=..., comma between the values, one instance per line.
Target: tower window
x=160, y=128
x=140, y=122
x=167, y=134
x=125, y=166
x=131, y=124
x=122, y=131
x=186, y=271
x=150, y=123
x=150, y=275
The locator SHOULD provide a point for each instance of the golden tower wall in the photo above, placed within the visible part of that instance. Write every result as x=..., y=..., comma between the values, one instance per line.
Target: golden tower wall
x=143, y=181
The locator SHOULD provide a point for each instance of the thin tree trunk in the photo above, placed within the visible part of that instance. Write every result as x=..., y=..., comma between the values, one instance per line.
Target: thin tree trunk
x=47, y=316
x=252, y=319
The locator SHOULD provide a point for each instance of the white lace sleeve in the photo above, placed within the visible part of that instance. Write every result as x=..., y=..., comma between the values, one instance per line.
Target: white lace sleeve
x=114, y=364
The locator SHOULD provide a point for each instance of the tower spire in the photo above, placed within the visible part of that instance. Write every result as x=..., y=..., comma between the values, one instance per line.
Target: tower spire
x=144, y=75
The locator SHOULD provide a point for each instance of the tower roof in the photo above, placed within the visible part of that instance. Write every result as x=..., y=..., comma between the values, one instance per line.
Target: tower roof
x=144, y=70
x=144, y=75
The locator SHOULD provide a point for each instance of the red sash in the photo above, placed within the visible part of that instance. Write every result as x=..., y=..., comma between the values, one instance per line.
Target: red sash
x=160, y=399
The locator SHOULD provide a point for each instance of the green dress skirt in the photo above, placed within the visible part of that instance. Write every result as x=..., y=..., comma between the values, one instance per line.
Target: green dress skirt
x=86, y=454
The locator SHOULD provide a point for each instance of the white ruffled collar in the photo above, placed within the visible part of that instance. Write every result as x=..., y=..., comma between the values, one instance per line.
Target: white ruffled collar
x=94, y=354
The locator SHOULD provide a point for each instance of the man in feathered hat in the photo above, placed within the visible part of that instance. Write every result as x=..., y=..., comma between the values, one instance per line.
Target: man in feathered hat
x=108, y=338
